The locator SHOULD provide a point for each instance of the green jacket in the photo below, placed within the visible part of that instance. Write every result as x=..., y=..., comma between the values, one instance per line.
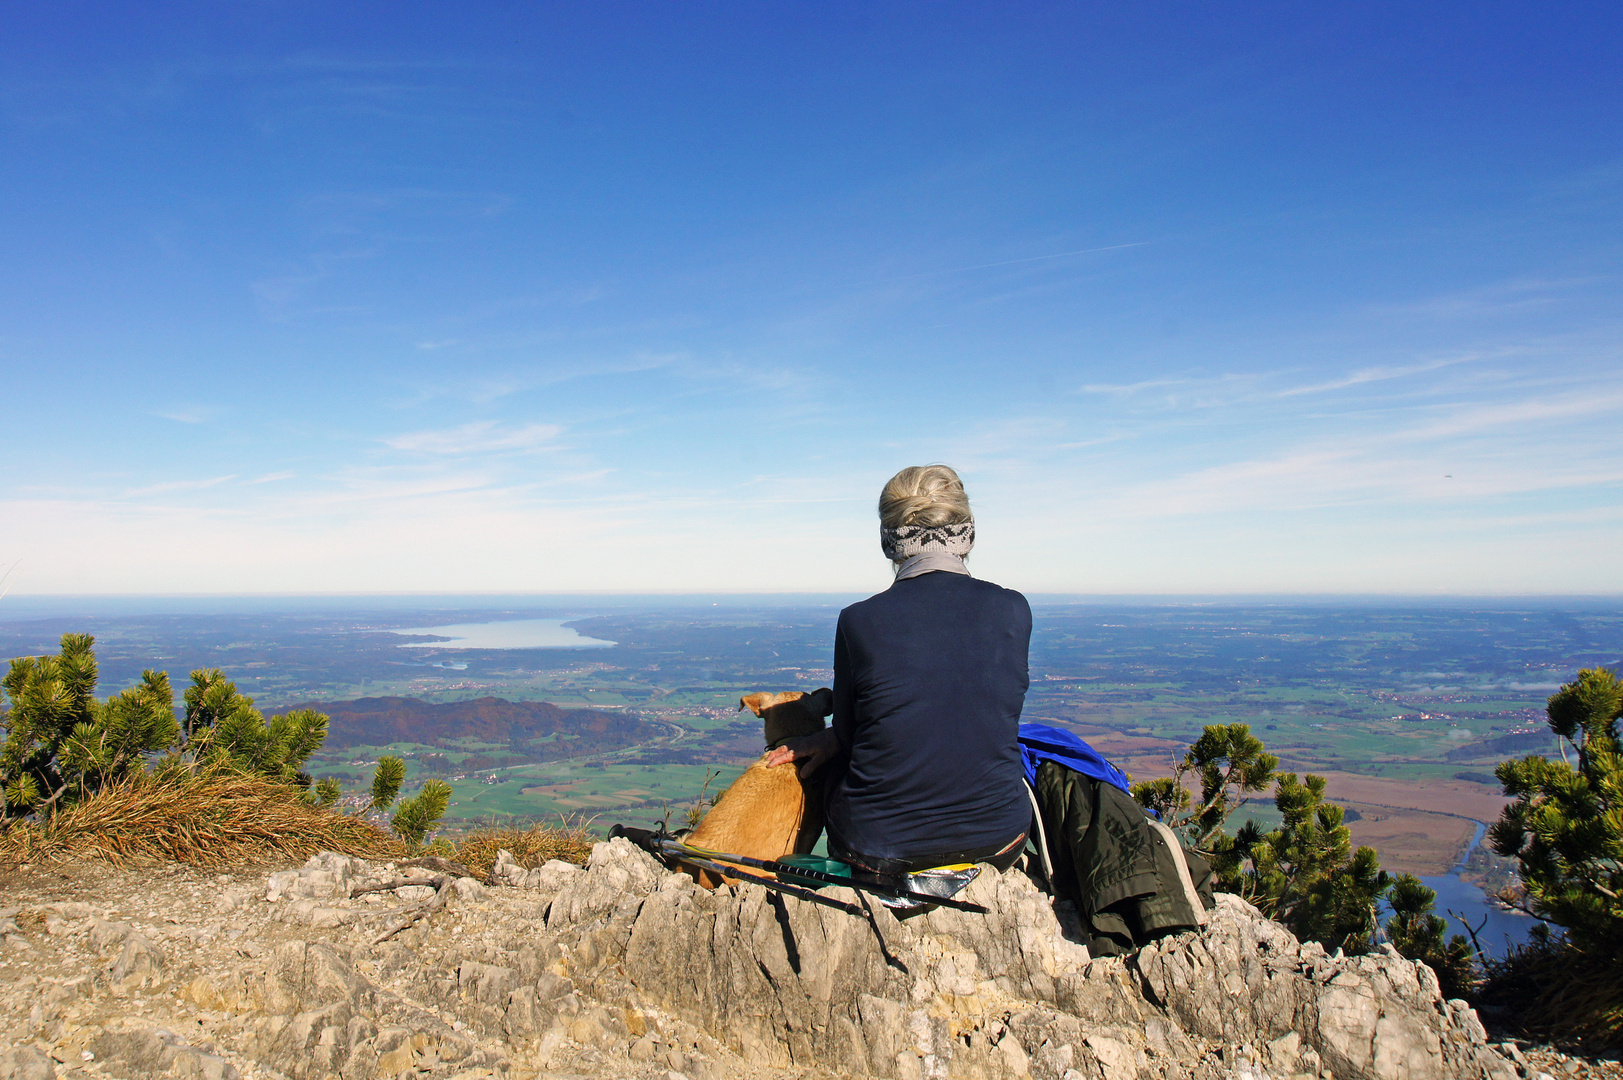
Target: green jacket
x=1116, y=864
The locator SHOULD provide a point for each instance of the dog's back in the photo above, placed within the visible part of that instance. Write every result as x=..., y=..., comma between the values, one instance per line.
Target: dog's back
x=768, y=813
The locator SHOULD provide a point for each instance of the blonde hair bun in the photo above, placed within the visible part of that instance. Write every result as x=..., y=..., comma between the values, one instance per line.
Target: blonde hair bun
x=927, y=495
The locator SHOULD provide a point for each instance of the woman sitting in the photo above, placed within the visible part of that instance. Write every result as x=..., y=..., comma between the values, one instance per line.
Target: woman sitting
x=922, y=765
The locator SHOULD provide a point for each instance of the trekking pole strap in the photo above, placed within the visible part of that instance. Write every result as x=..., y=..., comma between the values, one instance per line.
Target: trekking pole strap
x=1042, y=835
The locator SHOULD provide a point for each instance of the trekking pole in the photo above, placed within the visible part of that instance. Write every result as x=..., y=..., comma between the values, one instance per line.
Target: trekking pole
x=662, y=844
x=777, y=886
x=661, y=847
x=864, y=883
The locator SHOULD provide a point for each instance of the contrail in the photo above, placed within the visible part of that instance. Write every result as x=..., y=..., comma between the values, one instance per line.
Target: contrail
x=1033, y=258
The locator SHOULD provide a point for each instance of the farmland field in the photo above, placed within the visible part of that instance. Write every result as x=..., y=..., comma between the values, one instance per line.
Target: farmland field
x=1404, y=706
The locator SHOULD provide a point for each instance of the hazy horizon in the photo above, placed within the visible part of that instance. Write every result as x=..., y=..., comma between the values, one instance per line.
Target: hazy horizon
x=29, y=606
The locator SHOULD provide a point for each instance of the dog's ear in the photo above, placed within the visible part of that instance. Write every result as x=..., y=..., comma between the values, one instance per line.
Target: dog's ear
x=820, y=701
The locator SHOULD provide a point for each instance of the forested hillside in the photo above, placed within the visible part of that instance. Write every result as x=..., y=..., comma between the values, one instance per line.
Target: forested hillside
x=381, y=721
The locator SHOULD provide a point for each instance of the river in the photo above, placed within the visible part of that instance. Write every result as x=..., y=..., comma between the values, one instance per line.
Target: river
x=1503, y=928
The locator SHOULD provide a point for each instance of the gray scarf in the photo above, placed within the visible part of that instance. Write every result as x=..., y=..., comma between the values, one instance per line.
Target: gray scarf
x=931, y=561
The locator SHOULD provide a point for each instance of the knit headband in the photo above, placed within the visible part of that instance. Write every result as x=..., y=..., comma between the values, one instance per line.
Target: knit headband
x=906, y=541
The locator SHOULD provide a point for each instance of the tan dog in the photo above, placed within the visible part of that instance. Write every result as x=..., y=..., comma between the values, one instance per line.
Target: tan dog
x=768, y=813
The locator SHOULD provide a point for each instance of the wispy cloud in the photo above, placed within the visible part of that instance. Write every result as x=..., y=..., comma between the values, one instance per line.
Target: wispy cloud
x=343, y=207
x=481, y=436
x=1127, y=389
x=1509, y=414
x=1373, y=375
x=270, y=477
x=281, y=296
x=1474, y=452
x=1381, y=386
x=484, y=389
x=1029, y=259
x=1185, y=392
x=1499, y=298
x=1236, y=387
x=190, y=414
x=179, y=485
x=393, y=486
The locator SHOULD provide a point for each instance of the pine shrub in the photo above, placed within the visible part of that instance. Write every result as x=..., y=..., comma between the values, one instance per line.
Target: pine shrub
x=1565, y=828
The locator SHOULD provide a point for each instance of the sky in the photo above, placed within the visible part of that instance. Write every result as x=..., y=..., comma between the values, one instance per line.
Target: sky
x=302, y=298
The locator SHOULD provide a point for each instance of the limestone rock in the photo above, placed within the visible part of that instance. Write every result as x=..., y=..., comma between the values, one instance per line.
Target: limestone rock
x=139, y=966
x=622, y=969
x=551, y=875
x=468, y=889
x=105, y=933
x=325, y=875
x=788, y=983
x=617, y=876
x=149, y=1051
x=25, y=1063
x=507, y=871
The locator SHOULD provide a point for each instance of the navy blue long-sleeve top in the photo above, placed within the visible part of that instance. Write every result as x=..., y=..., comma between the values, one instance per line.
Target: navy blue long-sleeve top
x=929, y=679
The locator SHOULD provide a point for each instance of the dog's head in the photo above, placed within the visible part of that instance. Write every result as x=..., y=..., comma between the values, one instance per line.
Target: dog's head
x=791, y=714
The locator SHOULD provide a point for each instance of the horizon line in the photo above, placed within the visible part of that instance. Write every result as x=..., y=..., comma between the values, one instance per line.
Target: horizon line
x=37, y=600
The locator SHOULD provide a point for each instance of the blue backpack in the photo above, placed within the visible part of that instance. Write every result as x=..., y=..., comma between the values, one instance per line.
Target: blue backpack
x=1040, y=743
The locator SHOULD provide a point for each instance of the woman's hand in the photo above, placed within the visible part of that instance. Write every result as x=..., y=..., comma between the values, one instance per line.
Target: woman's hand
x=812, y=751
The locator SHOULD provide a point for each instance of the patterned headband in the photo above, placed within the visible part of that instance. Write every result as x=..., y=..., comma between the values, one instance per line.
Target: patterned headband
x=906, y=541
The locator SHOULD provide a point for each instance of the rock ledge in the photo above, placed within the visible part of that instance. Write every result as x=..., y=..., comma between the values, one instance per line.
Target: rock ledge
x=623, y=969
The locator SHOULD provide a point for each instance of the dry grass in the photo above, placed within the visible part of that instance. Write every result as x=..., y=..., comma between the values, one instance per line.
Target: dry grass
x=530, y=847
x=198, y=819
x=226, y=819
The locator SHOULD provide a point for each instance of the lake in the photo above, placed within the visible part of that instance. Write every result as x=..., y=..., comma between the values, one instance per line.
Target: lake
x=507, y=634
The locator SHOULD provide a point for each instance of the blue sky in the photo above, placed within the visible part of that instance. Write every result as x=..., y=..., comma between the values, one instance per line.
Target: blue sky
x=645, y=297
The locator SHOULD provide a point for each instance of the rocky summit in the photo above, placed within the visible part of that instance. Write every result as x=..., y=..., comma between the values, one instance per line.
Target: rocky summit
x=623, y=969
